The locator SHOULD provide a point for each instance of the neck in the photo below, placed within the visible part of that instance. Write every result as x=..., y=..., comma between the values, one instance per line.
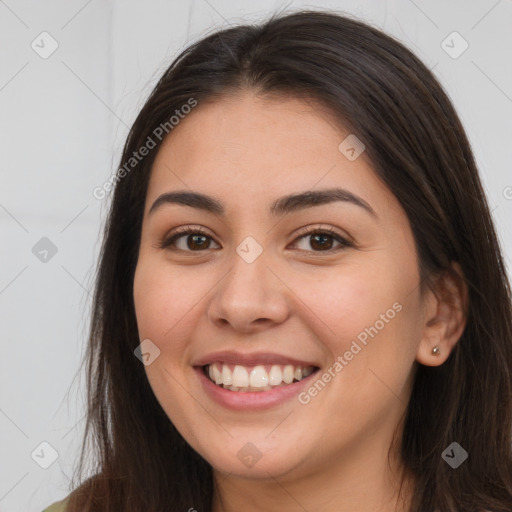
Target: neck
x=353, y=482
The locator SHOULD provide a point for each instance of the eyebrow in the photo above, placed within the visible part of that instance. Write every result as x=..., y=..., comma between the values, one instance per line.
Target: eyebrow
x=283, y=205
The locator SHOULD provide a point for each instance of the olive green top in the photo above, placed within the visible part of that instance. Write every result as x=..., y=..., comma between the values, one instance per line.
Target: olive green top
x=58, y=506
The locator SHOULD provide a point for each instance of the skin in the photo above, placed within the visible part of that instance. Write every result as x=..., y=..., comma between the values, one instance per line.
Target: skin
x=294, y=299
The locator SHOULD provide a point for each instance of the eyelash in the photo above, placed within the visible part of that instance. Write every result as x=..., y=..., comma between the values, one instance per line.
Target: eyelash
x=303, y=233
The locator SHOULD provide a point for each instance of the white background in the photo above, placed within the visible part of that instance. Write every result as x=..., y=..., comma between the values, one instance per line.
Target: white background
x=63, y=121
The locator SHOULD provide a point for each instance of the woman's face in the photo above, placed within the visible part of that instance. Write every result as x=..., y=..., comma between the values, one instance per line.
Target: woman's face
x=253, y=290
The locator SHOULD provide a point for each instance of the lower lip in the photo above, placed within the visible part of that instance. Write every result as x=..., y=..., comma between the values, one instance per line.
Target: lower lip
x=251, y=400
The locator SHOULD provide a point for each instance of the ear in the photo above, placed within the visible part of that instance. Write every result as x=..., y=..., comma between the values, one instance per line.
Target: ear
x=445, y=316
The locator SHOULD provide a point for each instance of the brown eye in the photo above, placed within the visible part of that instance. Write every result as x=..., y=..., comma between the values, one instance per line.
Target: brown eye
x=321, y=240
x=196, y=240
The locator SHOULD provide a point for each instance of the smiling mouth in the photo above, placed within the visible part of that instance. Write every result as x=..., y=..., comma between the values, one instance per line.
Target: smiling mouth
x=256, y=378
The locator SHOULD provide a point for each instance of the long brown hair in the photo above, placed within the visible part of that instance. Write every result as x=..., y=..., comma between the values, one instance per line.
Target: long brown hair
x=376, y=87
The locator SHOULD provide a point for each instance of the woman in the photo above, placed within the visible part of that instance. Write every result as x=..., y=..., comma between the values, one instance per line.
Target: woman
x=301, y=301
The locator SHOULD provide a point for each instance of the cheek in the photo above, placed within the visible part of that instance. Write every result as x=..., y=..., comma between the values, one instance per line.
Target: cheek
x=368, y=313
x=164, y=310
x=349, y=300
x=372, y=326
x=162, y=301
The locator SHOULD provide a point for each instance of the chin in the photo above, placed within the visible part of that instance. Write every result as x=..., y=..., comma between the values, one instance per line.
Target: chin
x=249, y=459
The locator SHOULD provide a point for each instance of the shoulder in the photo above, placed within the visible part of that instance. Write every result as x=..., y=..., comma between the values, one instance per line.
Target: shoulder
x=58, y=506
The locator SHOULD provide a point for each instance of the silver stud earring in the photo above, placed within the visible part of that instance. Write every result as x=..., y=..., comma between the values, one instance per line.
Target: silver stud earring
x=436, y=351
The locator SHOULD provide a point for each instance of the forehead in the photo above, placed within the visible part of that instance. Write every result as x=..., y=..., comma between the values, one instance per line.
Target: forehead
x=248, y=150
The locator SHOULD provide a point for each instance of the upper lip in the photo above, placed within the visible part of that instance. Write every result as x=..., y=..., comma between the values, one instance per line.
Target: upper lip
x=249, y=359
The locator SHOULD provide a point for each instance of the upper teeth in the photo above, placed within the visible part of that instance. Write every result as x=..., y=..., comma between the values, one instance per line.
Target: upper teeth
x=257, y=376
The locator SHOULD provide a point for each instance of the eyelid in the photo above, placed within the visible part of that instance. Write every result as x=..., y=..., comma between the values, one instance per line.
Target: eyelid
x=169, y=239
x=345, y=240
x=322, y=228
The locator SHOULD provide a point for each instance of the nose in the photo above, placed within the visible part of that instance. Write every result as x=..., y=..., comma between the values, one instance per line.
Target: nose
x=250, y=297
